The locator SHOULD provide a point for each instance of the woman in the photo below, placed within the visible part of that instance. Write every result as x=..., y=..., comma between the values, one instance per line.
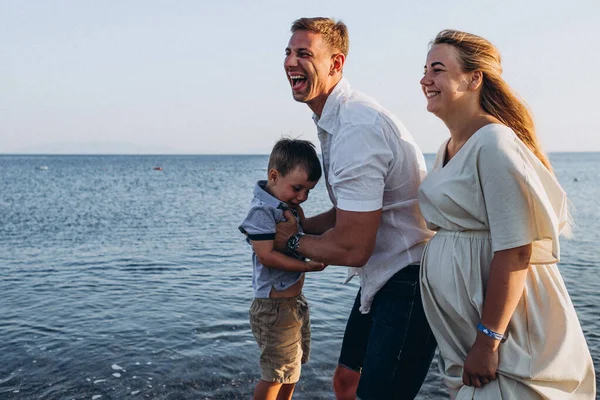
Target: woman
x=497, y=305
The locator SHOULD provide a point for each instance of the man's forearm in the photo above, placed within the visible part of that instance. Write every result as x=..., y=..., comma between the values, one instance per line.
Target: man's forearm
x=331, y=249
x=320, y=223
x=350, y=242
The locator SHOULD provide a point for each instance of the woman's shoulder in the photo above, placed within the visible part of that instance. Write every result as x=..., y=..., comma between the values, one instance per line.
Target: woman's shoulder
x=494, y=134
x=496, y=139
x=497, y=145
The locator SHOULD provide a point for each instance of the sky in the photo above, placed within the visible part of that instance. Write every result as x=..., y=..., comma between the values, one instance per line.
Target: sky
x=206, y=77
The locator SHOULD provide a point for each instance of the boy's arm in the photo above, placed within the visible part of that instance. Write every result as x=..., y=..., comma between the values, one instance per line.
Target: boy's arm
x=271, y=258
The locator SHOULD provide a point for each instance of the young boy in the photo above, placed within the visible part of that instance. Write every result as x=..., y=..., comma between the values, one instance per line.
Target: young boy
x=279, y=314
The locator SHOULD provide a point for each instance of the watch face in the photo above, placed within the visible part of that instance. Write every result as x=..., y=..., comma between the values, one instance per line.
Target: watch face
x=291, y=244
x=294, y=242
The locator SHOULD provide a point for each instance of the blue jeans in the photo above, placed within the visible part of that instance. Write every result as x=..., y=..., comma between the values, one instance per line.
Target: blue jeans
x=392, y=346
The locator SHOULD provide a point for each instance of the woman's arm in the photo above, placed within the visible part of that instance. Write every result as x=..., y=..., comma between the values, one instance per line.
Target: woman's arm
x=503, y=292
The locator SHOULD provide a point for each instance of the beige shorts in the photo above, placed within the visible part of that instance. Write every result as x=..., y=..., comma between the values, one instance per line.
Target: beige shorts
x=281, y=328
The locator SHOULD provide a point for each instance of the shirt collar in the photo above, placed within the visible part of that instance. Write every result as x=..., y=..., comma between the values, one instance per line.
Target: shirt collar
x=332, y=105
x=264, y=196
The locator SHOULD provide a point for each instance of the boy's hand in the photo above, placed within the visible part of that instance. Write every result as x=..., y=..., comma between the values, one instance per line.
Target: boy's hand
x=314, y=266
x=284, y=231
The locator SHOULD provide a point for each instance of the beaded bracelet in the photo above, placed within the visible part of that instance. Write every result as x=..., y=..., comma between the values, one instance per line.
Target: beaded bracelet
x=494, y=335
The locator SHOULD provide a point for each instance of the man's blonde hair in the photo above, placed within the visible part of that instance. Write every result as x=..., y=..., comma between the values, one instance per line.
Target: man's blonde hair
x=335, y=34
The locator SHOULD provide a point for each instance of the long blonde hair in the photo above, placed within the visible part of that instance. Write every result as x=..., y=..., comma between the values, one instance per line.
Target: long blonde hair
x=497, y=98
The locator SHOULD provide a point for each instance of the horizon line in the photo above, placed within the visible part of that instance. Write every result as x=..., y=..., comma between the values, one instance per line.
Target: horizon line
x=220, y=154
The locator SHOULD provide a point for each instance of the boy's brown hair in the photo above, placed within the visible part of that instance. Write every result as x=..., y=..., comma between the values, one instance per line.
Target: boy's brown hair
x=288, y=154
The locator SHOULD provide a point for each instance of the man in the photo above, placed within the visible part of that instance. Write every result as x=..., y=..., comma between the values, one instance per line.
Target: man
x=372, y=171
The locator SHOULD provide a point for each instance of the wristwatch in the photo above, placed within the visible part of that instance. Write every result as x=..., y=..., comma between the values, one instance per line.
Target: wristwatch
x=293, y=243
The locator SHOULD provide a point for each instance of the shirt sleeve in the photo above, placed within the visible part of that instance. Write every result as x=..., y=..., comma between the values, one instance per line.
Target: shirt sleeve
x=259, y=224
x=360, y=159
x=523, y=201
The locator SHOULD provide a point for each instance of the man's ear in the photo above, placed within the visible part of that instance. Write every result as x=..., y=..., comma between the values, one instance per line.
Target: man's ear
x=337, y=63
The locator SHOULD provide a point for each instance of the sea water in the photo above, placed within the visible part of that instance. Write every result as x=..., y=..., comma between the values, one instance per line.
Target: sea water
x=126, y=277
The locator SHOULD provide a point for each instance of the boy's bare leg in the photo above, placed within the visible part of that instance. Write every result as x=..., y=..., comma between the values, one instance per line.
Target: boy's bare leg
x=266, y=390
x=286, y=391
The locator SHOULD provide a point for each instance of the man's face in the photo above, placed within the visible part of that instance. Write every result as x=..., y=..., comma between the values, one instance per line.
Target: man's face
x=308, y=66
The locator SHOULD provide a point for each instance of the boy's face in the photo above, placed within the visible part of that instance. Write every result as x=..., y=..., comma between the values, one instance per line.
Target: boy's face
x=293, y=188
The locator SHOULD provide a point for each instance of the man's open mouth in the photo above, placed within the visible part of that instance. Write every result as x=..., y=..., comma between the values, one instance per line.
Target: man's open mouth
x=297, y=81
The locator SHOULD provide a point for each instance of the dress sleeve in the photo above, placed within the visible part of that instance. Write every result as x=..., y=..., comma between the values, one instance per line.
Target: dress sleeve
x=524, y=202
x=360, y=159
x=259, y=224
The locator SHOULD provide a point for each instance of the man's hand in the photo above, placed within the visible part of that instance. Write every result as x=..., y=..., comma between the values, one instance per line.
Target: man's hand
x=285, y=230
x=301, y=217
x=314, y=266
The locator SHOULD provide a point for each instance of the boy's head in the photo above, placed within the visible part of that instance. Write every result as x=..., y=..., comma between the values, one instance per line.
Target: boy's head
x=294, y=170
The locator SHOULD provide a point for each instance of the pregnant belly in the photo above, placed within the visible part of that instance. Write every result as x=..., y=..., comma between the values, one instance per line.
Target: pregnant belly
x=457, y=262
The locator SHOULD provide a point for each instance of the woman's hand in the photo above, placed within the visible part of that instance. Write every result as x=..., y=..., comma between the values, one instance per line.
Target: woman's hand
x=482, y=362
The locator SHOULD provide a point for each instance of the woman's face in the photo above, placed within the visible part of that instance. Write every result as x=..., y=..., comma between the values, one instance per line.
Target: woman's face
x=444, y=83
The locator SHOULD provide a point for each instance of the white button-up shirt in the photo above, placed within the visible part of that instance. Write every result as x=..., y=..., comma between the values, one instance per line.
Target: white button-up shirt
x=371, y=162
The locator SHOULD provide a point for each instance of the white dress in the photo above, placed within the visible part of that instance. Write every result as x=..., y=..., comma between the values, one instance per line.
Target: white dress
x=494, y=194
